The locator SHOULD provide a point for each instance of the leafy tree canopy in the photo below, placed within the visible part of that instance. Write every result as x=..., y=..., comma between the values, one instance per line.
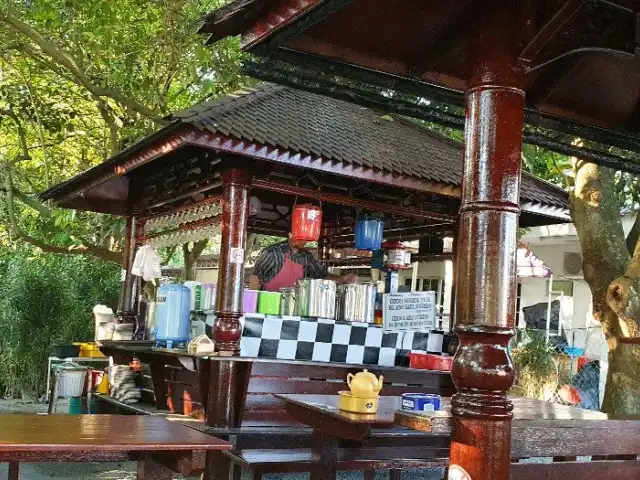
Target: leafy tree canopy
x=81, y=80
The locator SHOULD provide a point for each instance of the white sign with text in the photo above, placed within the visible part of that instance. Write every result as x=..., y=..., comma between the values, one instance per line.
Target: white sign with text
x=409, y=312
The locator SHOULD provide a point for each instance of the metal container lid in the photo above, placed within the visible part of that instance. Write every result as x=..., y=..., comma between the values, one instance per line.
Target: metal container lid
x=70, y=366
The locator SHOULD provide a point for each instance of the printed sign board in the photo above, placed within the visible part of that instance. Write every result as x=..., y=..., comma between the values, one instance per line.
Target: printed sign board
x=409, y=312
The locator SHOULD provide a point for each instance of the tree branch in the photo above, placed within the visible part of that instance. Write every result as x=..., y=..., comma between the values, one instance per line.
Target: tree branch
x=190, y=257
x=69, y=63
x=29, y=201
x=22, y=135
x=89, y=250
x=109, y=119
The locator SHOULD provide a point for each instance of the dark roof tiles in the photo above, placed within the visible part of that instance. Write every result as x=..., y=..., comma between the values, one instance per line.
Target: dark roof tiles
x=312, y=124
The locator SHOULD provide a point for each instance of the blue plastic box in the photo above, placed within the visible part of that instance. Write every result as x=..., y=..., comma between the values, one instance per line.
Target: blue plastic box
x=420, y=402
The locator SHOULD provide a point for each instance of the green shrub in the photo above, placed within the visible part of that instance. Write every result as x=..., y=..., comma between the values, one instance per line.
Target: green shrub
x=46, y=300
x=535, y=367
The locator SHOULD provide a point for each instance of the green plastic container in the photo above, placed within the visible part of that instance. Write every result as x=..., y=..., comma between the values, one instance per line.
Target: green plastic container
x=94, y=404
x=76, y=406
x=269, y=303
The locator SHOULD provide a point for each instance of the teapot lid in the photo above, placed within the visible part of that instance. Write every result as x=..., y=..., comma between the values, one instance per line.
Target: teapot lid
x=365, y=373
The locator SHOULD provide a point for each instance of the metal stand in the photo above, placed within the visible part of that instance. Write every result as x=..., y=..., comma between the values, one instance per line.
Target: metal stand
x=107, y=360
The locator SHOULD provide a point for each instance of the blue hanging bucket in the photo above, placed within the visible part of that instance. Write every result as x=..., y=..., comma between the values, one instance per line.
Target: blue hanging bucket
x=369, y=233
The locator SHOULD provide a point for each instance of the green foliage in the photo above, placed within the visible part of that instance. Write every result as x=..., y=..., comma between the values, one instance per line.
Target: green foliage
x=534, y=352
x=47, y=300
x=533, y=358
x=82, y=79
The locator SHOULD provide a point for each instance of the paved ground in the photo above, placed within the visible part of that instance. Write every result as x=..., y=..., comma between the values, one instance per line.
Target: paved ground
x=126, y=470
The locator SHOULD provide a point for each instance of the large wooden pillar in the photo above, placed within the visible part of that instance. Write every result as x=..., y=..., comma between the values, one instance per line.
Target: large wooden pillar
x=126, y=312
x=486, y=253
x=235, y=212
x=228, y=378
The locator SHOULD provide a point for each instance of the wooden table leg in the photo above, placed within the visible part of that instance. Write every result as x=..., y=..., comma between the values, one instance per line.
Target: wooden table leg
x=149, y=469
x=159, y=383
x=218, y=467
x=203, y=367
x=14, y=469
x=325, y=456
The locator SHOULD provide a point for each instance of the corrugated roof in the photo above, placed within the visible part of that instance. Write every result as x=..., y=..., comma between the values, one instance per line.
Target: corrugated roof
x=304, y=122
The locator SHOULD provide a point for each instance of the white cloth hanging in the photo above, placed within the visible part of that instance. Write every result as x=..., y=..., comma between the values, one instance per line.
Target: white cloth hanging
x=147, y=263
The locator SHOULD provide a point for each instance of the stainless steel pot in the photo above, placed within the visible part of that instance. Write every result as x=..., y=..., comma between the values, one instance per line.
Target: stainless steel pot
x=316, y=298
x=288, y=301
x=357, y=302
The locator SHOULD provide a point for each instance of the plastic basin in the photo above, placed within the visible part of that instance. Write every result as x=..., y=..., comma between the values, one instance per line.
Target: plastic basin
x=428, y=361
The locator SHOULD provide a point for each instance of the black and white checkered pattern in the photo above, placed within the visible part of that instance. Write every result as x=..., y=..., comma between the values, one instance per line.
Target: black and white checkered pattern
x=326, y=340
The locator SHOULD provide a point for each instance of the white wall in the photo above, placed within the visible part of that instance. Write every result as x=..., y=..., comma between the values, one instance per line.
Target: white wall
x=207, y=276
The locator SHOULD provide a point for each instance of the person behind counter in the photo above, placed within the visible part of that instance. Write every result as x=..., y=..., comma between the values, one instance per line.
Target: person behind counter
x=282, y=264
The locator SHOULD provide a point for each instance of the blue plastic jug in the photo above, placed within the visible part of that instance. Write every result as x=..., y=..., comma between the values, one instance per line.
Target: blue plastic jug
x=172, y=322
x=369, y=233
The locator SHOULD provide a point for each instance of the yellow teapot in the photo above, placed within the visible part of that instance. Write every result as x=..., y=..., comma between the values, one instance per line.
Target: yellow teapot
x=364, y=384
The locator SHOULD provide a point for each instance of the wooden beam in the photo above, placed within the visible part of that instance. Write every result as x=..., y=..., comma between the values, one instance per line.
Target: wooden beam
x=400, y=210
x=572, y=30
x=541, y=89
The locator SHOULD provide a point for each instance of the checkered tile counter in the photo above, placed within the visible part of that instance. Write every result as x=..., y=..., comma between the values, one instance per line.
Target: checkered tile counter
x=325, y=340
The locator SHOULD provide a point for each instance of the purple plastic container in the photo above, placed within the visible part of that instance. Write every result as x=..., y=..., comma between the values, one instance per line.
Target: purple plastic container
x=250, y=301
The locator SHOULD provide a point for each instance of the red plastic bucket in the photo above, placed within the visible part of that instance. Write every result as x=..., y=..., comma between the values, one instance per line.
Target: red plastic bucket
x=306, y=221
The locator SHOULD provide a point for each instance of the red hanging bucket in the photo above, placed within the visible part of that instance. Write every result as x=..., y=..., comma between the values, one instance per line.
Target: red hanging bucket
x=306, y=221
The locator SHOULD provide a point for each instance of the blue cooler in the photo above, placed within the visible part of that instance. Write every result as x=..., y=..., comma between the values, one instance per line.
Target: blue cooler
x=420, y=402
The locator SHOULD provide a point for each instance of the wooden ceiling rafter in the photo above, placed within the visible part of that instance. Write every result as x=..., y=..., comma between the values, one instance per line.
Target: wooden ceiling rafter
x=570, y=31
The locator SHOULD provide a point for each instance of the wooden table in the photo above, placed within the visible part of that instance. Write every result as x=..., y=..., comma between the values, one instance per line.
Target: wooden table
x=539, y=429
x=331, y=425
x=152, y=441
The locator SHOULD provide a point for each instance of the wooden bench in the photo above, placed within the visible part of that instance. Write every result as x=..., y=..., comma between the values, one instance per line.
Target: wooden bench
x=262, y=423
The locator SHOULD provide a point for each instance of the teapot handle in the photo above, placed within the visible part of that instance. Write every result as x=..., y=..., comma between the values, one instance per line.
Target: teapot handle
x=349, y=377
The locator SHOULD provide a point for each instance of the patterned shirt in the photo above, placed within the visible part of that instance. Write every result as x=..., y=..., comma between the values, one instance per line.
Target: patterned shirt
x=271, y=261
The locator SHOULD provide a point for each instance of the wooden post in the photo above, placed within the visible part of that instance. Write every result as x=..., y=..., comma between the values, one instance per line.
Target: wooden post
x=486, y=253
x=235, y=212
x=126, y=312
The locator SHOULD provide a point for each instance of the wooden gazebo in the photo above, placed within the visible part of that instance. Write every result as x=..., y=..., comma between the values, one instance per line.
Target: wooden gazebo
x=543, y=71
x=279, y=144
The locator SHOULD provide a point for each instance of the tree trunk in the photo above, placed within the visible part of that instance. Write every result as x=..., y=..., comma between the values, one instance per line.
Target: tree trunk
x=613, y=280
x=622, y=393
x=191, y=256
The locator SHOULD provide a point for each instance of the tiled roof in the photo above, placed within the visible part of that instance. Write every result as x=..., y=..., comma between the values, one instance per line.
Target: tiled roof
x=307, y=123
